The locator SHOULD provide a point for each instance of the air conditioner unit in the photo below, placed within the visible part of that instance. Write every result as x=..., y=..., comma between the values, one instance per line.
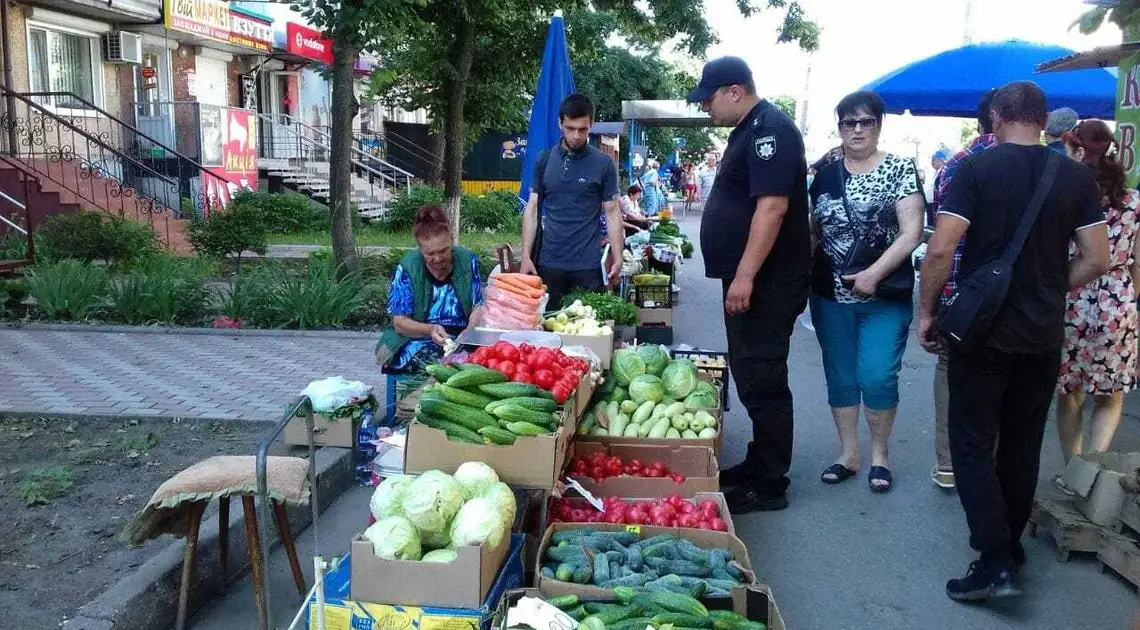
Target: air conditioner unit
x=122, y=47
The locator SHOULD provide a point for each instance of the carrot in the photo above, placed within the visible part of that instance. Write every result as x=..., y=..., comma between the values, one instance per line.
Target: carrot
x=522, y=278
x=506, y=308
x=521, y=302
x=533, y=295
x=525, y=289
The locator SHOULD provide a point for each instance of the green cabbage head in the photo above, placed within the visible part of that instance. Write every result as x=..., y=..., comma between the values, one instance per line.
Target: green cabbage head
x=626, y=366
x=656, y=358
x=476, y=478
x=477, y=523
x=394, y=538
x=388, y=499
x=431, y=501
x=680, y=378
x=646, y=387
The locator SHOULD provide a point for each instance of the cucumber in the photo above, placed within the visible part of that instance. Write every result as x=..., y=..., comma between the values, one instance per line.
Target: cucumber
x=675, y=409
x=578, y=613
x=441, y=372
x=593, y=623
x=467, y=379
x=524, y=428
x=601, y=571
x=727, y=615
x=463, y=397
x=547, y=572
x=636, y=623
x=515, y=413
x=673, y=602
x=633, y=580
x=644, y=428
x=683, y=619
x=624, y=594
x=473, y=419
x=498, y=435
x=564, y=602
x=613, y=613
x=582, y=574
x=533, y=403
x=463, y=367
x=455, y=432
x=514, y=390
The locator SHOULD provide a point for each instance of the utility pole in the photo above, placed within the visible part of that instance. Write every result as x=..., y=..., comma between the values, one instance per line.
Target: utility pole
x=967, y=38
x=803, y=104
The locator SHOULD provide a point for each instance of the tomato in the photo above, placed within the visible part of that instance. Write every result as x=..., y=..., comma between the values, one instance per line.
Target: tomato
x=491, y=364
x=636, y=517
x=571, y=379
x=703, y=524
x=597, y=457
x=688, y=508
x=545, y=379
x=658, y=465
x=718, y=524
x=560, y=393
x=659, y=521
x=669, y=509
x=614, y=517
x=507, y=367
x=544, y=357
x=710, y=505
x=525, y=348
x=579, y=467
x=521, y=366
x=507, y=352
x=687, y=520
x=613, y=469
x=522, y=377
x=636, y=463
x=598, y=472
x=655, y=472
x=578, y=516
x=630, y=470
x=679, y=478
x=675, y=500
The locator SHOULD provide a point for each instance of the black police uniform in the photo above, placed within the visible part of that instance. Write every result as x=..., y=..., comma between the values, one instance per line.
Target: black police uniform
x=764, y=157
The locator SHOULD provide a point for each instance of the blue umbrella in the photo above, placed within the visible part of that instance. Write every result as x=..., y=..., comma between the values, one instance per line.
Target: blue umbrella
x=555, y=83
x=952, y=82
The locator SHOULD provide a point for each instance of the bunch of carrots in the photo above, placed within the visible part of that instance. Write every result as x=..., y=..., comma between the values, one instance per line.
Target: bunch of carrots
x=513, y=300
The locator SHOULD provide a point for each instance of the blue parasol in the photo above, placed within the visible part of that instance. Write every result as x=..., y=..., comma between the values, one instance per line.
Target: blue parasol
x=555, y=83
x=952, y=82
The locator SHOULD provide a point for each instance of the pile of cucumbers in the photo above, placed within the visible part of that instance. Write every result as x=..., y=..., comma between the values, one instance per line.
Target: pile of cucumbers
x=660, y=564
x=635, y=611
x=474, y=404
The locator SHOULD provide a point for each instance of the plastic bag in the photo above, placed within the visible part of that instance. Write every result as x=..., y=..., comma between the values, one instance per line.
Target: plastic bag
x=334, y=392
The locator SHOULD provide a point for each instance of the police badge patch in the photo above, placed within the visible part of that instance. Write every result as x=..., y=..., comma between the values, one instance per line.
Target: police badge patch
x=766, y=147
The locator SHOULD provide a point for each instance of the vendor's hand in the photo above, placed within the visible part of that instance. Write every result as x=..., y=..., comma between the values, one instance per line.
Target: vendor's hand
x=527, y=267
x=438, y=334
x=739, y=297
x=865, y=282
x=615, y=273
x=927, y=335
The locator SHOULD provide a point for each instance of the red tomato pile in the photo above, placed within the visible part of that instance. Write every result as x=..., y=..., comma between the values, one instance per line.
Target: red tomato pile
x=547, y=368
x=673, y=511
x=599, y=468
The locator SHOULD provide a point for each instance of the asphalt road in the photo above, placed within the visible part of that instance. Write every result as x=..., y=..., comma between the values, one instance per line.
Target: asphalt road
x=843, y=558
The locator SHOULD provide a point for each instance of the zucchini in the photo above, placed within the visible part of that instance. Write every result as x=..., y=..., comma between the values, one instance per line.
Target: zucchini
x=473, y=378
x=672, y=434
x=564, y=602
x=618, y=424
x=631, y=430
x=515, y=413
x=499, y=389
x=473, y=419
x=498, y=435
x=643, y=412
x=441, y=372
x=524, y=428
x=658, y=431
x=463, y=397
x=534, y=403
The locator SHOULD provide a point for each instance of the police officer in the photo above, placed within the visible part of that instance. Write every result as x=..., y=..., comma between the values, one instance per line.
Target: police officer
x=755, y=239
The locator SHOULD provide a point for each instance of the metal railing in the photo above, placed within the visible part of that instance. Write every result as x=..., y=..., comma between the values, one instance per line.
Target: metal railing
x=323, y=139
x=381, y=144
x=93, y=158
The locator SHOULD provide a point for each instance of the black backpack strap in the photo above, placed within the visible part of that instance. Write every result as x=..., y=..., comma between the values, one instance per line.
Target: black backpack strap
x=1034, y=209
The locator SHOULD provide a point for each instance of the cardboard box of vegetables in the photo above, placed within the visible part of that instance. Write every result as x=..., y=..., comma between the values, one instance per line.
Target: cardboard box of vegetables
x=438, y=539
x=674, y=468
x=652, y=399
x=608, y=561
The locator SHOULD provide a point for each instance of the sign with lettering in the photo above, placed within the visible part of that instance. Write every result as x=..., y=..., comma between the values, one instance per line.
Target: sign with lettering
x=250, y=31
x=308, y=43
x=1128, y=116
x=206, y=18
x=238, y=170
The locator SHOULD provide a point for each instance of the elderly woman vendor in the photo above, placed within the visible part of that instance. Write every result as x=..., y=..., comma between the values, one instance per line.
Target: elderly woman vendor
x=436, y=293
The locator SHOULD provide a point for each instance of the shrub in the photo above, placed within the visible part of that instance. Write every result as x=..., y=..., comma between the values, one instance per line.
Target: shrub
x=165, y=290
x=315, y=299
x=13, y=247
x=492, y=212
x=68, y=290
x=249, y=297
x=401, y=212
x=373, y=309
x=284, y=213
x=90, y=236
x=237, y=229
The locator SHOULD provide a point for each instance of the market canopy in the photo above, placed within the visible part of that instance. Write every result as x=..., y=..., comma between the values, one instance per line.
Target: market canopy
x=952, y=82
x=555, y=83
x=665, y=114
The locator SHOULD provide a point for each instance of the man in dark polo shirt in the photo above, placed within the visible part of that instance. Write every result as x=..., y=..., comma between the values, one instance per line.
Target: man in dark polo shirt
x=755, y=239
x=576, y=183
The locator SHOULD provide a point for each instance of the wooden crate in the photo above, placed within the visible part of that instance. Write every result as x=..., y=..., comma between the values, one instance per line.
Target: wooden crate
x=1129, y=515
x=1122, y=555
x=1069, y=528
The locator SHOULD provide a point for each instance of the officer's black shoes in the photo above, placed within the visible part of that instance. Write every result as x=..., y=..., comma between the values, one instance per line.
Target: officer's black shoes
x=982, y=583
x=748, y=498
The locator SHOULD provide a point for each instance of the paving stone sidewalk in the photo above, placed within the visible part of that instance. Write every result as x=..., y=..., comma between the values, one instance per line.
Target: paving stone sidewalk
x=170, y=374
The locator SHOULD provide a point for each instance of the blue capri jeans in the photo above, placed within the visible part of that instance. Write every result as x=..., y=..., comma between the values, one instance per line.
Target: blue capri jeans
x=863, y=345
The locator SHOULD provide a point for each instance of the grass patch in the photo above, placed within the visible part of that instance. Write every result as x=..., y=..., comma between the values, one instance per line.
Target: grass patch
x=43, y=485
x=375, y=237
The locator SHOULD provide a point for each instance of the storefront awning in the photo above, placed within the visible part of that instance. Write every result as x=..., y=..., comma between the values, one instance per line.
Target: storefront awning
x=1103, y=57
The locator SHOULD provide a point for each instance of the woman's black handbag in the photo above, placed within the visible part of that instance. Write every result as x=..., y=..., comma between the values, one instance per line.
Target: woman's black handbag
x=965, y=319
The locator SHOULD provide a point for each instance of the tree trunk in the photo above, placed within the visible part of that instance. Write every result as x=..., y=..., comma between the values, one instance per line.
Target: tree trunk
x=435, y=148
x=344, y=110
x=461, y=56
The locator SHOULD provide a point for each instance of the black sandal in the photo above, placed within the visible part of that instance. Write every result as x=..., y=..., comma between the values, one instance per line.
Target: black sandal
x=879, y=473
x=837, y=473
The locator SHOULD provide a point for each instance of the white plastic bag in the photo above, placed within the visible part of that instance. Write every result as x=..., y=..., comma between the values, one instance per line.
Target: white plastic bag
x=331, y=393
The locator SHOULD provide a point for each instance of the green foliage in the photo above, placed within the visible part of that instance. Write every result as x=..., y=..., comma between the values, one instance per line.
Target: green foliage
x=316, y=299
x=43, y=485
x=90, y=236
x=607, y=306
x=13, y=247
x=232, y=231
x=249, y=296
x=283, y=213
x=162, y=290
x=786, y=104
x=491, y=212
x=401, y=213
x=1125, y=14
x=68, y=290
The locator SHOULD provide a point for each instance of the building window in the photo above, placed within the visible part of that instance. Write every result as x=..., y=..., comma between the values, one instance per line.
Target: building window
x=65, y=64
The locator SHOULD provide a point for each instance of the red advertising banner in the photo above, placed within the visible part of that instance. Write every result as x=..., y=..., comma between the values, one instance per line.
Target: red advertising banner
x=239, y=158
x=306, y=42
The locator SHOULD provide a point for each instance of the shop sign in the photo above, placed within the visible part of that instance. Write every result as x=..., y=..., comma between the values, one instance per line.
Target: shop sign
x=1128, y=117
x=250, y=31
x=237, y=136
x=306, y=42
x=206, y=18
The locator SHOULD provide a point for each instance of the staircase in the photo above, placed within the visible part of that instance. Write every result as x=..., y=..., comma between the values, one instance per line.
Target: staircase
x=61, y=153
x=296, y=156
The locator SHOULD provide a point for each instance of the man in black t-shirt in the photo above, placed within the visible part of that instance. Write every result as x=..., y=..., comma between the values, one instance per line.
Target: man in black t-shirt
x=755, y=240
x=1005, y=384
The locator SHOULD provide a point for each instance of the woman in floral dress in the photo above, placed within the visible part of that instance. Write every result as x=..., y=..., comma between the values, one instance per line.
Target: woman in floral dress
x=1101, y=320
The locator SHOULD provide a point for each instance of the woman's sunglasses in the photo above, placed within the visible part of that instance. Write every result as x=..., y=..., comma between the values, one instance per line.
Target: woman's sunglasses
x=852, y=123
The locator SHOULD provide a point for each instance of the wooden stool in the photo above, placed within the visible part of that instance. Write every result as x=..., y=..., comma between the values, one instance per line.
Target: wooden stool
x=178, y=504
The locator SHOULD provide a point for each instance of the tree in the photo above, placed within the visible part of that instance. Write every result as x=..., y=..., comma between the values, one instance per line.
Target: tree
x=472, y=63
x=353, y=27
x=1123, y=13
x=786, y=104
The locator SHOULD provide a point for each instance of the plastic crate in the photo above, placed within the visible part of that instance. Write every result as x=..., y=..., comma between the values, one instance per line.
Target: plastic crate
x=399, y=388
x=702, y=358
x=653, y=296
